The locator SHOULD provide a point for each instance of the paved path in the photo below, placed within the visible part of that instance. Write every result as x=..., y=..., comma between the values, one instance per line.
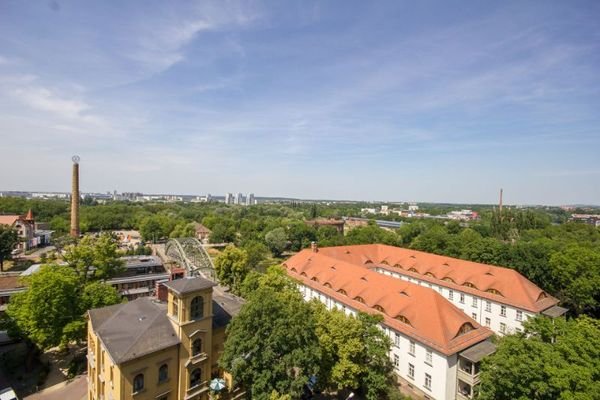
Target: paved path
x=73, y=390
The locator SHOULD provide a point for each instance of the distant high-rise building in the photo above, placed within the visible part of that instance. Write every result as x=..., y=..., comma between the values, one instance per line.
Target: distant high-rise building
x=239, y=199
x=229, y=198
x=250, y=199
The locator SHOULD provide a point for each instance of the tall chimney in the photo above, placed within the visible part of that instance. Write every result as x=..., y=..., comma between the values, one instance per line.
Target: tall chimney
x=75, y=198
x=500, y=204
x=314, y=247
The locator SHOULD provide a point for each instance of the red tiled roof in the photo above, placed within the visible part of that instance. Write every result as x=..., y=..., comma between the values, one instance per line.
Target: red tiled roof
x=9, y=219
x=502, y=285
x=418, y=312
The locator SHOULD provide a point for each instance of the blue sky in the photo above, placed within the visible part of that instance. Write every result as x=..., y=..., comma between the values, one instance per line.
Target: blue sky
x=402, y=101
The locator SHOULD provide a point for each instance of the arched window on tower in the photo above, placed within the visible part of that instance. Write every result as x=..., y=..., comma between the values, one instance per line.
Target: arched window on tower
x=196, y=347
x=163, y=373
x=195, y=377
x=138, y=383
x=197, y=308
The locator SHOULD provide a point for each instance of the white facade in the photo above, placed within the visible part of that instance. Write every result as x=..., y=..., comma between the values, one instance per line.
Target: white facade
x=500, y=318
x=229, y=198
x=239, y=199
x=423, y=368
x=250, y=199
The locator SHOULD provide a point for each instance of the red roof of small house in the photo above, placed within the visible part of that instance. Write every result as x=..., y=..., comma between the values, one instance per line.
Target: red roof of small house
x=418, y=312
x=9, y=219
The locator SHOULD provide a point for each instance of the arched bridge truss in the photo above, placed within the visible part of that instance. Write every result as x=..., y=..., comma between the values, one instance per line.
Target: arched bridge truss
x=191, y=255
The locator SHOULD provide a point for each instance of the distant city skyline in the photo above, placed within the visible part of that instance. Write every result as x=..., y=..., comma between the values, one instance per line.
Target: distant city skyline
x=389, y=101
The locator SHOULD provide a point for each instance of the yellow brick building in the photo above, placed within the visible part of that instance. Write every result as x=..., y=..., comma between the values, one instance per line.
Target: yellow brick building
x=148, y=349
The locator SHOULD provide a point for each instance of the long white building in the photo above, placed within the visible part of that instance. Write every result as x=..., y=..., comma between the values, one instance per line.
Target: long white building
x=438, y=340
x=496, y=297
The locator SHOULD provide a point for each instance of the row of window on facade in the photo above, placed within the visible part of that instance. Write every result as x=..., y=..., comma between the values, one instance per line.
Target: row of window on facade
x=411, y=372
x=163, y=375
x=411, y=349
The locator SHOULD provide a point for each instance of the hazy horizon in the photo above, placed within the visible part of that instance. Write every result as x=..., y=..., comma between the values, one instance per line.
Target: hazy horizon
x=442, y=102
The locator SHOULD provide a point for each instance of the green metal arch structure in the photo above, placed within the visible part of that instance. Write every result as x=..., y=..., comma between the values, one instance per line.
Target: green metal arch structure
x=191, y=255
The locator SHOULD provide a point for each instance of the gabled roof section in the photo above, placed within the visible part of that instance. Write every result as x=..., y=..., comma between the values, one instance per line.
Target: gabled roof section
x=416, y=311
x=500, y=284
x=133, y=329
x=189, y=284
x=10, y=219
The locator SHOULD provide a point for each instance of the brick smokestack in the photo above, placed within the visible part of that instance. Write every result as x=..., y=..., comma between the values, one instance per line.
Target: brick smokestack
x=314, y=247
x=75, y=198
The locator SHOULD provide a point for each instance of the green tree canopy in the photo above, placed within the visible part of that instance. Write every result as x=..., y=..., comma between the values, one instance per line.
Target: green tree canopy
x=94, y=258
x=232, y=267
x=576, y=273
x=552, y=359
x=271, y=344
x=8, y=241
x=276, y=241
x=354, y=352
x=51, y=311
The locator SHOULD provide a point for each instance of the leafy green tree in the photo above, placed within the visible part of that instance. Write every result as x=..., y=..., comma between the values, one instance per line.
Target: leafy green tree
x=275, y=278
x=552, y=359
x=371, y=234
x=183, y=229
x=47, y=306
x=257, y=252
x=276, y=241
x=95, y=258
x=151, y=229
x=8, y=241
x=232, y=267
x=354, y=352
x=576, y=274
x=329, y=236
x=98, y=294
x=434, y=240
x=60, y=225
x=271, y=344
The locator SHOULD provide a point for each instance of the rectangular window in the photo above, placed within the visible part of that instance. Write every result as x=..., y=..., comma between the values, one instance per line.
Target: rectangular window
x=451, y=295
x=519, y=315
x=474, y=301
x=503, y=311
x=411, y=371
x=396, y=361
x=429, y=357
x=397, y=340
x=462, y=298
x=502, y=327
x=440, y=289
x=474, y=315
x=488, y=306
x=427, y=381
x=488, y=322
x=411, y=350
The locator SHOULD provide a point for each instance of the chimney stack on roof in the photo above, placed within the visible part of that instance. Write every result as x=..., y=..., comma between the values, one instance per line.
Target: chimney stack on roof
x=314, y=247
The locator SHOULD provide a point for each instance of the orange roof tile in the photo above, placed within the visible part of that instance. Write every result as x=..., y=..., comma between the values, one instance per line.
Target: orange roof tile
x=416, y=311
x=502, y=285
x=9, y=219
